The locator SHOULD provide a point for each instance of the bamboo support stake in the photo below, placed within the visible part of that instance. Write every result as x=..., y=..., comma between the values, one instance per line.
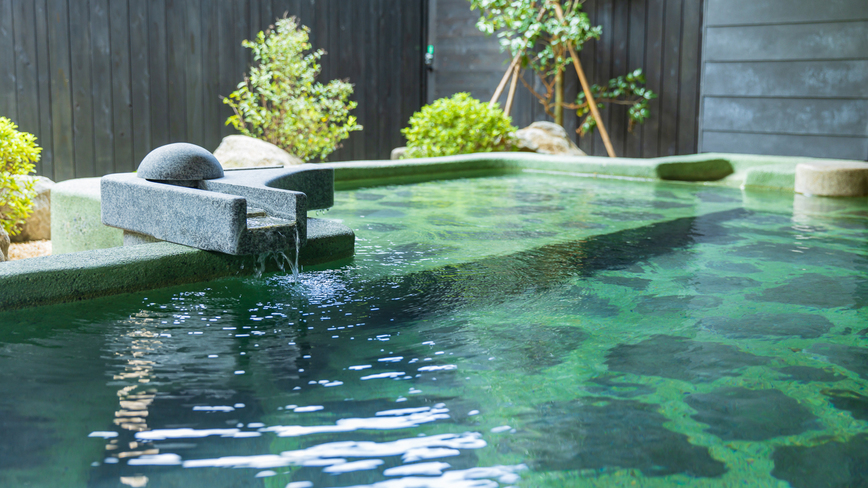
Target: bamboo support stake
x=502, y=84
x=512, y=66
x=512, y=86
x=592, y=104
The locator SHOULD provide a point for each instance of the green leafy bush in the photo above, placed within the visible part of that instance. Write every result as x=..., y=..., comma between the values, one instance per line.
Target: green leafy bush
x=282, y=103
x=623, y=90
x=18, y=153
x=457, y=125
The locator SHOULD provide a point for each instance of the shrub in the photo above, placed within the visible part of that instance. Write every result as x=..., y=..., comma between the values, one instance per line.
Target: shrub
x=280, y=101
x=457, y=125
x=18, y=153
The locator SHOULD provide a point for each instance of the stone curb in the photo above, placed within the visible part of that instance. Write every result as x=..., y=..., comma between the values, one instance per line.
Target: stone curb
x=90, y=274
x=61, y=278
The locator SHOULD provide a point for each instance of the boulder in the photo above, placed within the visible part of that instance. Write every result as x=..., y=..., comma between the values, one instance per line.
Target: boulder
x=38, y=225
x=239, y=151
x=4, y=245
x=546, y=138
x=398, y=153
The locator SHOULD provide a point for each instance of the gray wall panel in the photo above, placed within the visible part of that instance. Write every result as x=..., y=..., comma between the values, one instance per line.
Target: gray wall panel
x=839, y=79
x=788, y=115
x=786, y=145
x=744, y=12
x=837, y=40
x=787, y=77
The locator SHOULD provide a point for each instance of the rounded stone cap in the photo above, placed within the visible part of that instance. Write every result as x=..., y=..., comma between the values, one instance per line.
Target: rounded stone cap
x=180, y=161
x=832, y=179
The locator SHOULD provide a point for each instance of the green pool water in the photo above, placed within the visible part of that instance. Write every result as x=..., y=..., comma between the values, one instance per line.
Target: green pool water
x=516, y=330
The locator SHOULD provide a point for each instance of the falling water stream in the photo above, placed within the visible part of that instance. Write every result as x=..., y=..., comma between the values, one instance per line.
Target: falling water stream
x=281, y=260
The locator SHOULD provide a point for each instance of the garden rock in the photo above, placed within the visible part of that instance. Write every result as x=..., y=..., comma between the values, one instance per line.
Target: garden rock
x=38, y=225
x=546, y=138
x=4, y=245
x=398, y=153
x=237, y=151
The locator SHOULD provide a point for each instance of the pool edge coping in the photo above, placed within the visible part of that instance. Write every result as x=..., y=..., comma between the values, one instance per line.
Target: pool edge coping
x=63, y=278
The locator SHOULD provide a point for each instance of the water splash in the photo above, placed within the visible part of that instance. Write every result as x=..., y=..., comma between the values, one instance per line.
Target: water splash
x=280, y=259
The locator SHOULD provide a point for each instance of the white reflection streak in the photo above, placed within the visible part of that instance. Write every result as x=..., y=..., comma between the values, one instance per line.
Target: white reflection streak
x=424, y=469
x=342, y=425
x=353, y=424
x=334, y=453
x=465, y=478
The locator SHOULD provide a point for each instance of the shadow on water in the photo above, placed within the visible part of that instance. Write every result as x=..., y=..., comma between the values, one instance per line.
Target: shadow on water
x=567, y=436
x=494, y=280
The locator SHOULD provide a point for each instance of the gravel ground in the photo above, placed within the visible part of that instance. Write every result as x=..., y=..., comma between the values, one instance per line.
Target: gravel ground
x=30, y=249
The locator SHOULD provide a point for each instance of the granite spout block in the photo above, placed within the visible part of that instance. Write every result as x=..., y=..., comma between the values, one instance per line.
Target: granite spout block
x=181, y=194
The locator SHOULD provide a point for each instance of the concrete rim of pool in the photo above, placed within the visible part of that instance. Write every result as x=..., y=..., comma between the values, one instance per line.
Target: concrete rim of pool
x=90, y=260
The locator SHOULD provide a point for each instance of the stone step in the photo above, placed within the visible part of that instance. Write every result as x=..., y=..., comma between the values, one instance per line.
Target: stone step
x=255, y=212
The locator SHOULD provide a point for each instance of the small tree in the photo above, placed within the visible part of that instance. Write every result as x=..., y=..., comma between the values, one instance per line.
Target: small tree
x=18, y=153
x=538, y=36
x=282, y=103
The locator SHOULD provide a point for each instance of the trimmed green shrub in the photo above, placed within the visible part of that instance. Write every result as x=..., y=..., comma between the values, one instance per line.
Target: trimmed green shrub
x=18, y=153
x=282, y=103
x=457, y=125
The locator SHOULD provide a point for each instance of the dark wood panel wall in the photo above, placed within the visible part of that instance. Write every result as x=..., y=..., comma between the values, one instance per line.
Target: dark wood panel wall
x=786, y=77
x=660, y=36
x=102, y=82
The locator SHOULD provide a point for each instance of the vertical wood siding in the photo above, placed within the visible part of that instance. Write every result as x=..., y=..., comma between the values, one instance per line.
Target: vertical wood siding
x=660, y=36
x=103, y=82
x=786, y=77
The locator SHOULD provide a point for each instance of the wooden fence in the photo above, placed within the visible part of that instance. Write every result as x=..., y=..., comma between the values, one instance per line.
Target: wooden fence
x=102, y=82
x=663, y=37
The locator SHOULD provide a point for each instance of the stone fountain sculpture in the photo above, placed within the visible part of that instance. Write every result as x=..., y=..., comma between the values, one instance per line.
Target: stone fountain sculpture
x=181, y=194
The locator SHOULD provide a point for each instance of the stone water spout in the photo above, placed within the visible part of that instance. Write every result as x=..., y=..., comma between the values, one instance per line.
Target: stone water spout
x=181, y=194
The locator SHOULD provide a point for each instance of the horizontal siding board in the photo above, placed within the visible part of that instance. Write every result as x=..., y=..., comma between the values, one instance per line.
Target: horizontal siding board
x=786, y=77
x=743, y=12
x=835, y=79
x=786, y=145
x=829, y=41
x=788, y=116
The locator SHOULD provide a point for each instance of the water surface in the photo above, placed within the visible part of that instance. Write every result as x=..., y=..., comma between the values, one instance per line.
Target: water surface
x=520, y=330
